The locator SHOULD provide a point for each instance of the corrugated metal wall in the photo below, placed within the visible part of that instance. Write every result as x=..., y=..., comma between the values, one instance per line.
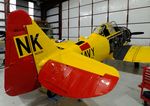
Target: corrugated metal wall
x=27, y=6
x=79, y=17
x=53, y=20
x=2, y=16
x=18, y=4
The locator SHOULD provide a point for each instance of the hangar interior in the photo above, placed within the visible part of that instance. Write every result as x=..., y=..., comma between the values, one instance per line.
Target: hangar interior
x=70, y=19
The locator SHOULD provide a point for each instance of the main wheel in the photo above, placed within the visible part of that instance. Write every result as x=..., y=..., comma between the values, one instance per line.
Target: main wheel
x=50, y=94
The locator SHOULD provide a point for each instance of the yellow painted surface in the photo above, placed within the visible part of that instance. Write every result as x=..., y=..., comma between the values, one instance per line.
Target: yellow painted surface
x=84, y=63
x=72, y=53
x=22, y=39
x=65, y=44
x=100, y=45
x=138, y=54
x=144, y=54
x=82, y=37
x=47, y=44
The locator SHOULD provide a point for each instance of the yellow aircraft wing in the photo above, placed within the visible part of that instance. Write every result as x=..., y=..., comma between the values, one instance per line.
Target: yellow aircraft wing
x=133, y=54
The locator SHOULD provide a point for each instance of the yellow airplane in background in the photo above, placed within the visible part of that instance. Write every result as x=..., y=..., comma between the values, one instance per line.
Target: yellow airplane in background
x=66, y=68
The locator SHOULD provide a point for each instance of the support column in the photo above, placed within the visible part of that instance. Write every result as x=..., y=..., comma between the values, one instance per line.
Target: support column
x=43, y=12
x=6, y=9
x=60, y=21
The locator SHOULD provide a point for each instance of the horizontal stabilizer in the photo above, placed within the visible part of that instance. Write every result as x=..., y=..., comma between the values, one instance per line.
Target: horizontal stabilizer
x=67, y=78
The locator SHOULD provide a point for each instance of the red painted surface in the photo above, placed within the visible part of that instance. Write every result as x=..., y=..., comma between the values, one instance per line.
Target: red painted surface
x=84, y=46
x=20, y=74
x=73, y=82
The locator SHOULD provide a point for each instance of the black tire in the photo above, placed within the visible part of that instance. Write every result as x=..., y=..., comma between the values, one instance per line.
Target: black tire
x=145, y=103
x=50, y=94
x=79, y=100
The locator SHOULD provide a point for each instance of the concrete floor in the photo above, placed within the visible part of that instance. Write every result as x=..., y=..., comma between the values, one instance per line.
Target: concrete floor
x=126, y=66
x=126, y=93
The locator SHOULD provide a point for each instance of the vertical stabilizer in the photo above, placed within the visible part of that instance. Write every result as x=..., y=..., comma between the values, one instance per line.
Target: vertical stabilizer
x=20, y=71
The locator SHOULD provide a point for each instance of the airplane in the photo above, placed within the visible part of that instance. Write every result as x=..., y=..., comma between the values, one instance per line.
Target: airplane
x=67, y=68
